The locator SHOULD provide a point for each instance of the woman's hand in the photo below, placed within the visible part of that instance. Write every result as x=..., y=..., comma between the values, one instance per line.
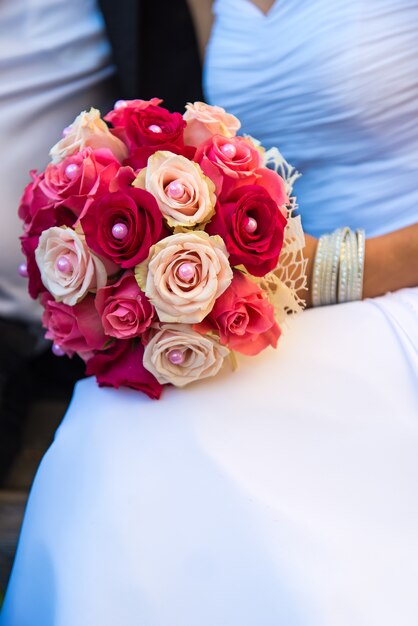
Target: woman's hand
x=391, y=262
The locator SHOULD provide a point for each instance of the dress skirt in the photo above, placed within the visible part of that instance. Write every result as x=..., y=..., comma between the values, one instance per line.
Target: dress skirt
x=282, y=494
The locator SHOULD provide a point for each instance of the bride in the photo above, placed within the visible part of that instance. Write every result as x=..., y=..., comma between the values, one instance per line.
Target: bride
x=284, y=494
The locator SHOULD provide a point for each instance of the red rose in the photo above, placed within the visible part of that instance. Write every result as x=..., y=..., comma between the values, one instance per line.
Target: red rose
x=229, y=161
x=29, y=244
x=243, y=318
x=123, y=225
x=76, y=329
x=79, y=176
x=138, y=159
x=121, y=366
x=124, y=309
x=146, y=124
x=40, y=218
x=252, y=226
x=117, y=116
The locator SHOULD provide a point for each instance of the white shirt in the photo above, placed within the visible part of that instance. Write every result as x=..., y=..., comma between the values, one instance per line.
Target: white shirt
x=54, y=62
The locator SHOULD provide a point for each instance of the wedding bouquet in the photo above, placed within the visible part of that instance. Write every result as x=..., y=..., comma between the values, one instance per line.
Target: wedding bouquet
x=160, y=244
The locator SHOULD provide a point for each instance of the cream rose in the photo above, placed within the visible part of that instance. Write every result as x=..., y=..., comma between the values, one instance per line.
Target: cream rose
x=69, y=270
x=184, y=275
x=204, y=120
x=186, y=196
x=178, y=355
x=88, y=130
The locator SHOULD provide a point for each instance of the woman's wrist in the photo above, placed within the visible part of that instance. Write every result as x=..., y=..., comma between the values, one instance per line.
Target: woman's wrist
x=309, y=252
x=391, y=262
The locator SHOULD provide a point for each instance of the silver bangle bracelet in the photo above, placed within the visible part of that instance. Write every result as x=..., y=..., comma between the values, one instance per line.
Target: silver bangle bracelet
x=338, y=267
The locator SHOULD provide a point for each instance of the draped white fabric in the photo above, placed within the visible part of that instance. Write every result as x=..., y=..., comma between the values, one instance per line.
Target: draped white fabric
x=284, y=493
x=54, y=61
x=334, y=85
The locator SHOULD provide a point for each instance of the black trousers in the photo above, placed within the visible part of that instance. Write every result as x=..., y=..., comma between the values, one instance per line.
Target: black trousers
x=26, y=372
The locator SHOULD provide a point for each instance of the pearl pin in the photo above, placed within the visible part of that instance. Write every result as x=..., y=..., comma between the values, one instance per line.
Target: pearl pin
x=154, y=128
x=176, y=357
x=186, y=271
x=175, y=190
x=119, y=231
x=23, y=270
x=229, y=150
x=250, y=225
x=72, y=170
x=57, y=350
x=64, y=265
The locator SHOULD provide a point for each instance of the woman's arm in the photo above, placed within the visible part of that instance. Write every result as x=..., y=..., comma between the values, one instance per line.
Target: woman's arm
x=391, y=262
x=201, y=11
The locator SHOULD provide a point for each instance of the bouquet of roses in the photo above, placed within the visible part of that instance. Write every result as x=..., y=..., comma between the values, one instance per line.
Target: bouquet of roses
x=159, y=244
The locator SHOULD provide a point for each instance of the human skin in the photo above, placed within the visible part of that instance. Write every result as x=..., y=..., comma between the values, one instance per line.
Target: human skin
x=391, y=260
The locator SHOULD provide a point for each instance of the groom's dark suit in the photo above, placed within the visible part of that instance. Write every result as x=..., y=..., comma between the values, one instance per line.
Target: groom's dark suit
x=154, y=48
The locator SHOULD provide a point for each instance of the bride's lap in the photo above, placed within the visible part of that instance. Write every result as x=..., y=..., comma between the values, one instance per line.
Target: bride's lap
x=348, y=368
x=287, y=475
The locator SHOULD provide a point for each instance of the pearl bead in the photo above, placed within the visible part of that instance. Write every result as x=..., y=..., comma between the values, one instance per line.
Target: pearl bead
x=175, y=190
x=57, y=350
x=119, y=231
x=64, y=265
x=120, y=104
x=186, y=271
x=250, y=225
x=23, y=270
x=176, y=357
x=67, y=130
x=154, y=128
x=72, y=170
x=229, y=150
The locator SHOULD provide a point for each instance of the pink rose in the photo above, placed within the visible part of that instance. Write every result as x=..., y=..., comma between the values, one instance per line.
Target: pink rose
x=147, y=124
x=252, y=226
x=88, y=130
x=243, y=318
x=38, y=212
x=122, y=366
x=76, y=329
x=228, y=161
x=124, y=309
x=204, y=120
x=79, y=176
x=34, y=200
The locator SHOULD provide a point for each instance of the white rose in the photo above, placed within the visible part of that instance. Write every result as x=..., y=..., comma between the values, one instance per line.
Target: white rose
x=184, y=275
x=88, y=130
x=69, y=270
x=178, y=355
x=186, y=196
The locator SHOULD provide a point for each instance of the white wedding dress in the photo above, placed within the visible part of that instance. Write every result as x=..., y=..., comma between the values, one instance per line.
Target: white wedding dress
x=283, y=494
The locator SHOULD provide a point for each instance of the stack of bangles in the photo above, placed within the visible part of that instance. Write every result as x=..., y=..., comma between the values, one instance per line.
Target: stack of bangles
x=338, y=268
